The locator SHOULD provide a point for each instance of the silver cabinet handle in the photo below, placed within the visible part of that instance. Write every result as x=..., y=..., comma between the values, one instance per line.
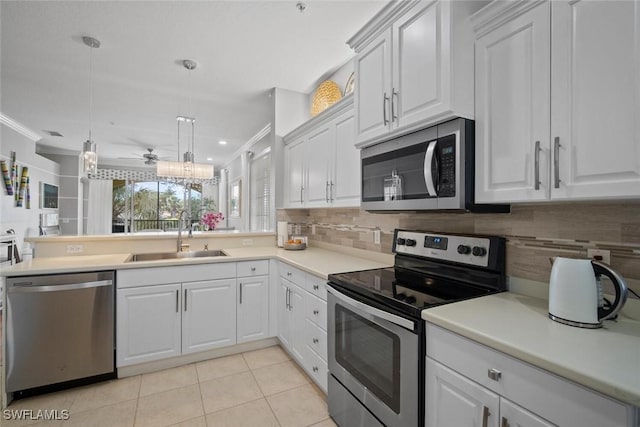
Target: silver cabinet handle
x=316, y=312
x=428, y=161
x=315, y=369
x=385, y=99
x=240, y=293
x=286, y=298
x=485, y=416
x=288, y=273
x=394, y=96
x=326, y=192
x=290, y=306
x=316, y=341
x=185, y=300
x=331, y=191
x=494, y=374
x=556, y=162
x=301, y=188
x=536, y=167
x=253, y=269
x=504, y=422
x=316, y=287
x=177, y=301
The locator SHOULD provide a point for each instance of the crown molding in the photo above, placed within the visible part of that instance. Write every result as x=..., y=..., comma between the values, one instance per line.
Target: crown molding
x=19, y=127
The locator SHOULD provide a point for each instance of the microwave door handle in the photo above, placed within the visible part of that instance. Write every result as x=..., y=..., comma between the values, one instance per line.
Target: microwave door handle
x=372, y=311
x=428, y=162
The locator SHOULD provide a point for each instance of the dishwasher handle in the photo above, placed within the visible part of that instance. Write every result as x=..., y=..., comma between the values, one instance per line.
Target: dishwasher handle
x=28, y=287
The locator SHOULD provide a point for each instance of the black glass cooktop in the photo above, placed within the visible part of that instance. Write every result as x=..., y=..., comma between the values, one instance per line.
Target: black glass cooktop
x=404, y=290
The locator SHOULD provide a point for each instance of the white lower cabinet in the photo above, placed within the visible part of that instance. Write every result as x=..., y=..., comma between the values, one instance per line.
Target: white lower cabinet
x=469, y=385
x=302, y=321
x=149, y=323
x=253, y=301
x=156, y=320
x=208, y=314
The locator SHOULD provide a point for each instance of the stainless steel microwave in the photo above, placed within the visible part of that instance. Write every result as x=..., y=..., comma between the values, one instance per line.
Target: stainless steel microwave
x=431, y=169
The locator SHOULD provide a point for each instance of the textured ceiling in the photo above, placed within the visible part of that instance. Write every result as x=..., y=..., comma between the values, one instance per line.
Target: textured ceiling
x=242, y=48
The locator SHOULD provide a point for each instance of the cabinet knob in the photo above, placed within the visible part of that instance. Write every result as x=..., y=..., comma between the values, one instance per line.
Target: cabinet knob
x=316, y=287
x=253, y=269
x=315, y=341
x=494, y=374
x=315, y=369
x=316, y=312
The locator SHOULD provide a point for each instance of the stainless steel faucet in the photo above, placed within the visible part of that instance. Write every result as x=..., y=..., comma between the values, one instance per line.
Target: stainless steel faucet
x=182, y=246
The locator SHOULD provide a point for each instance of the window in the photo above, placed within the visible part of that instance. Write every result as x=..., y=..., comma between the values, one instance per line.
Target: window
x=156, y=205
x=260, y=193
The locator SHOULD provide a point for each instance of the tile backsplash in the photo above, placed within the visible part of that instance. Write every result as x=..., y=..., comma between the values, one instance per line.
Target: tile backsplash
x=534, y=232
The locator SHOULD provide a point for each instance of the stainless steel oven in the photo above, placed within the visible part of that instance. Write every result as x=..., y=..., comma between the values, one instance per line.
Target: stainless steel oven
x=376, y=335
x=375, y=355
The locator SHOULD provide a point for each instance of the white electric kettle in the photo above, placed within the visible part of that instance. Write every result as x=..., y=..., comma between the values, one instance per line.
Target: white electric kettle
x=575, y=293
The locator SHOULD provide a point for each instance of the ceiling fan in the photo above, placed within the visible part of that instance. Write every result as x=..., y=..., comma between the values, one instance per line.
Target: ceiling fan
x=149, y=158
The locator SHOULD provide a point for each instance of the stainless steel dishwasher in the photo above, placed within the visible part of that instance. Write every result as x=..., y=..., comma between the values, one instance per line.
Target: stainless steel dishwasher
x=59, y=328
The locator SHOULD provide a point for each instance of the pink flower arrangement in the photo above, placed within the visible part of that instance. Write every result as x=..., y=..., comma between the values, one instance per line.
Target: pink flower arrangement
x=211, y=219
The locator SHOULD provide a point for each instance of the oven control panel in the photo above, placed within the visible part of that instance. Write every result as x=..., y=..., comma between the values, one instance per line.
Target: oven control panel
x=470, y=250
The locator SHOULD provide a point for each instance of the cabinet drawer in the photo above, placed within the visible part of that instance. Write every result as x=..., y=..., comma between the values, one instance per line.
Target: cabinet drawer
x=317, y=286
x=253, y=268
x=316, y=339
x=293, y=274
x=316, y=310
x=316, y=368
x=174, y=274
x=553, y=398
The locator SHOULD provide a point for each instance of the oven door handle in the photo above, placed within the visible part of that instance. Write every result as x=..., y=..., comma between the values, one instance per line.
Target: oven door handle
x=397, y=320
x=428, y=164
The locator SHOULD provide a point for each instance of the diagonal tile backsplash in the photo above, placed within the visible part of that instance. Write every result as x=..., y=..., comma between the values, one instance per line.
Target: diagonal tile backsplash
x=534, y=232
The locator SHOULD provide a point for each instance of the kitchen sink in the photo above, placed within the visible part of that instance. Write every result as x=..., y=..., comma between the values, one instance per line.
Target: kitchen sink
x=175, y=255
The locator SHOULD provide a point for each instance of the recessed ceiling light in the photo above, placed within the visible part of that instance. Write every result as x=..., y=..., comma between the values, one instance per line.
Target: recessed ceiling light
x=222, y=142
x=209, y=159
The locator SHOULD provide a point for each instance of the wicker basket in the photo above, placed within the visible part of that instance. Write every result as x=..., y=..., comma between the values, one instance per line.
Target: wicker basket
x=327, y=94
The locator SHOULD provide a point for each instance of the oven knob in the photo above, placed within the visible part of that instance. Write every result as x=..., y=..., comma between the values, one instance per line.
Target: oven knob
x=479, y=251
x=400, y=241
x=411, y=242
x=463, y=249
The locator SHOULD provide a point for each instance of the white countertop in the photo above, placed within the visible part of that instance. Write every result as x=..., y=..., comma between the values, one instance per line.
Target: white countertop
x=318, y=261
x=606, y=360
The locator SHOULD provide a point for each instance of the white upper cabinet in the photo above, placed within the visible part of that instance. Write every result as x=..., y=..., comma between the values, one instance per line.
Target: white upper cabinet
x=414, y=67
x=373, y=71
x=512, y=109
x=557, y=101
x=329, y=173
x=294, y=176
x=595, y=99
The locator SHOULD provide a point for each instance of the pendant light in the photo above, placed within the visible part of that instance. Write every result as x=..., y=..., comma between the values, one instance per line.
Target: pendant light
x=89, y=154
x=187, y=170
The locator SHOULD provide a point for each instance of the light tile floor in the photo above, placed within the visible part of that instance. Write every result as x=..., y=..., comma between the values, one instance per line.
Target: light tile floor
x=260, y=388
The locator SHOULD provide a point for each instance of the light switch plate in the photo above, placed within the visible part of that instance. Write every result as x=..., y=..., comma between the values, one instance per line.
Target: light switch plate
x=376, y=237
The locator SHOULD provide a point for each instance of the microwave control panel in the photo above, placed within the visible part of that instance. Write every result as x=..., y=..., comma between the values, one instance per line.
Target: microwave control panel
x=447, y=165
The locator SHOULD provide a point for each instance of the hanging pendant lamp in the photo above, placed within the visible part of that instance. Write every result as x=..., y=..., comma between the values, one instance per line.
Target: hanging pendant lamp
x=185, y=170
x=89, y=153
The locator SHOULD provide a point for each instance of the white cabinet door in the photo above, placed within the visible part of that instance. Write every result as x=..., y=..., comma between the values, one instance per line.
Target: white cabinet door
x=512, y=415
x=373, y=88
x=296, y=303
x=455, y=401
x=419, y=65
x=318, y=151
x=345, y=184
x=253, y=308
x=148, y=323
x=595, y=105
x=284, y=313
x=209, y=315
x=512, y=110
x=294, y=169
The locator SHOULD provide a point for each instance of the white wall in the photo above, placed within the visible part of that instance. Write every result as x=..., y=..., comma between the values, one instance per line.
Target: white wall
x=24, y=221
